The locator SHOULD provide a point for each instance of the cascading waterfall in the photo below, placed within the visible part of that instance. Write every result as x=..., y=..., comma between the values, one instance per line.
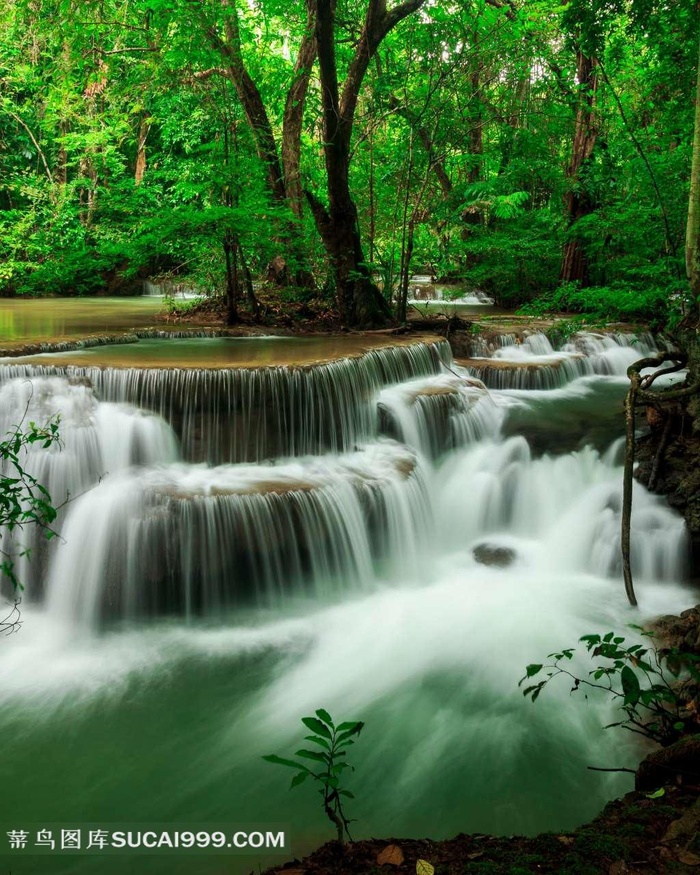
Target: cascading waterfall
x=535, y=364
x=190, y=539
x=252, y=414
x=556, y=512
x=96, y=439
x=381, y=535
x=435, y=414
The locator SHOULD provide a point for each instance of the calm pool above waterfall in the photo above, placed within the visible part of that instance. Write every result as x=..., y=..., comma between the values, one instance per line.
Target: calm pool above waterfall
x=273, y=533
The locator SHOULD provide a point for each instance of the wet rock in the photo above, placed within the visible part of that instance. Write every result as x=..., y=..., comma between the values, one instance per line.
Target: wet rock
x=681, y=632
x=679, y=763
x=492, y=554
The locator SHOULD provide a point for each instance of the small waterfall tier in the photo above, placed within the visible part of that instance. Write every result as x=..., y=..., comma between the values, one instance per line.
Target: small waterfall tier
x=96, y=439
x=556, y=513
x=247, y=414
x=437, y=414
x=188, y=539
x=534, y=363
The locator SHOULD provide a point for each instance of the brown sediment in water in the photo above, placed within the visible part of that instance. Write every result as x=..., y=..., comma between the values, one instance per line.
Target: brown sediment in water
x=481, y=364
x=224, y=351
x=433, y=390
x=262, y=487
x=403, y=467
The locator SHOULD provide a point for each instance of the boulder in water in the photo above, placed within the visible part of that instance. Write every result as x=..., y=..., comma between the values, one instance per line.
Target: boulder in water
x=493, y=554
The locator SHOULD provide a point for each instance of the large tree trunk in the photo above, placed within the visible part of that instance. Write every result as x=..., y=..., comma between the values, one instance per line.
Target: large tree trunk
x=283, y=177
x=251, y=99
x=360, y=302
x=692, y=239
x=574, y=267
x=294, y=113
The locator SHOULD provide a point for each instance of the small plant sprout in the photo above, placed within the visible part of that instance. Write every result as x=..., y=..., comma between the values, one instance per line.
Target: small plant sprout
x=651, y=685
x=328, y=764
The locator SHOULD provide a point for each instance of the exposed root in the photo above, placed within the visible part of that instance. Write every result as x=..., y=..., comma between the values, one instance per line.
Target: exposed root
x=639, y=394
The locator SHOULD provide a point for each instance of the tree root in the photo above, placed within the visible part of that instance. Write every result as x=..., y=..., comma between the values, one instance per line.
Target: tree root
x=639, y=394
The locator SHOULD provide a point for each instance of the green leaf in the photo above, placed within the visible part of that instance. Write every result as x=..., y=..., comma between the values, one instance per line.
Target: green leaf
x=280, y=761
x=326, y=717
x=657, y=794
x=315, y=725
x=355, y=729
x=533, y=669
x=316, y=740
x=298, y=779
x=351, y=725
x=312, y=755
x=630, y=686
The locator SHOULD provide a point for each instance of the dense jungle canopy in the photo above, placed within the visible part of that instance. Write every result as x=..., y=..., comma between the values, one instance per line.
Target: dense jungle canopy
x=531, y=149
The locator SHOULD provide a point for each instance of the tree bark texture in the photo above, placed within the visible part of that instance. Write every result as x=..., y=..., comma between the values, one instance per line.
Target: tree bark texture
x=574, y=267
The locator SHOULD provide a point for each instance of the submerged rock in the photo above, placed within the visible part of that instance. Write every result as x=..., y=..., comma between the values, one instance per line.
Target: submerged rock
x=492, y=554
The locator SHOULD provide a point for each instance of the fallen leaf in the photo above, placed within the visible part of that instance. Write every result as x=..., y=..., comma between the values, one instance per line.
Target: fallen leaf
x=475, y=855
x=565, y=840
x=619, y=867
x=423, y=867
x=392, y=855
x=688, y=858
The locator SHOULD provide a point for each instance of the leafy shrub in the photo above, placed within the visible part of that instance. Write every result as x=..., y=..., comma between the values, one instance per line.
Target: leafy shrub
x=652, y=686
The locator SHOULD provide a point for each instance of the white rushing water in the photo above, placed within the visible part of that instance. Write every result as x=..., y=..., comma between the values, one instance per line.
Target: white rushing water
x=405, y=575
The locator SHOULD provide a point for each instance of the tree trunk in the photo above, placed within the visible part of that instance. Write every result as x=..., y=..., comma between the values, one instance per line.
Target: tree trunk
x=402, y=304
x=360, y=302
x=140, y=169
x=692, y=239
x=283, y=178
x=231, y=256
x=253, y=302
x=61, y=172
x=294, y=114
x=577, y=202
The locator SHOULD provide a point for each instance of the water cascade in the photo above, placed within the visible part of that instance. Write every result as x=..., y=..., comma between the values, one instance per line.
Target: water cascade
x=96, y=439
x=191, y=539
x=535, y=364
x=251, y=414
x=392, y=535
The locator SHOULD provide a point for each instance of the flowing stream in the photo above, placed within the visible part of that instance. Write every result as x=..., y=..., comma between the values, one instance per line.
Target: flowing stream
x=391, y=536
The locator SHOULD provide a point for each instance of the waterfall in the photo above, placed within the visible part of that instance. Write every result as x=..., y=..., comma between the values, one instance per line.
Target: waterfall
x=190, y=540
x=535, y=364
x=252, y=414
x=556, y=513
x=392, y=535
x=436, y=414
x=96, y=439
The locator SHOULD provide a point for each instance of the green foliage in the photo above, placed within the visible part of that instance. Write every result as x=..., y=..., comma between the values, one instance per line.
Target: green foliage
x=23, y=500
x=180, y=306
x=512, y=261
x=651, y=685
x=329, y=764
x=622, y=303
x=464, y=131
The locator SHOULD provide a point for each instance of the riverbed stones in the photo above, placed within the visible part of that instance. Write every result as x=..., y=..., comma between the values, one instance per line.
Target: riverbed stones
x=494, y=554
